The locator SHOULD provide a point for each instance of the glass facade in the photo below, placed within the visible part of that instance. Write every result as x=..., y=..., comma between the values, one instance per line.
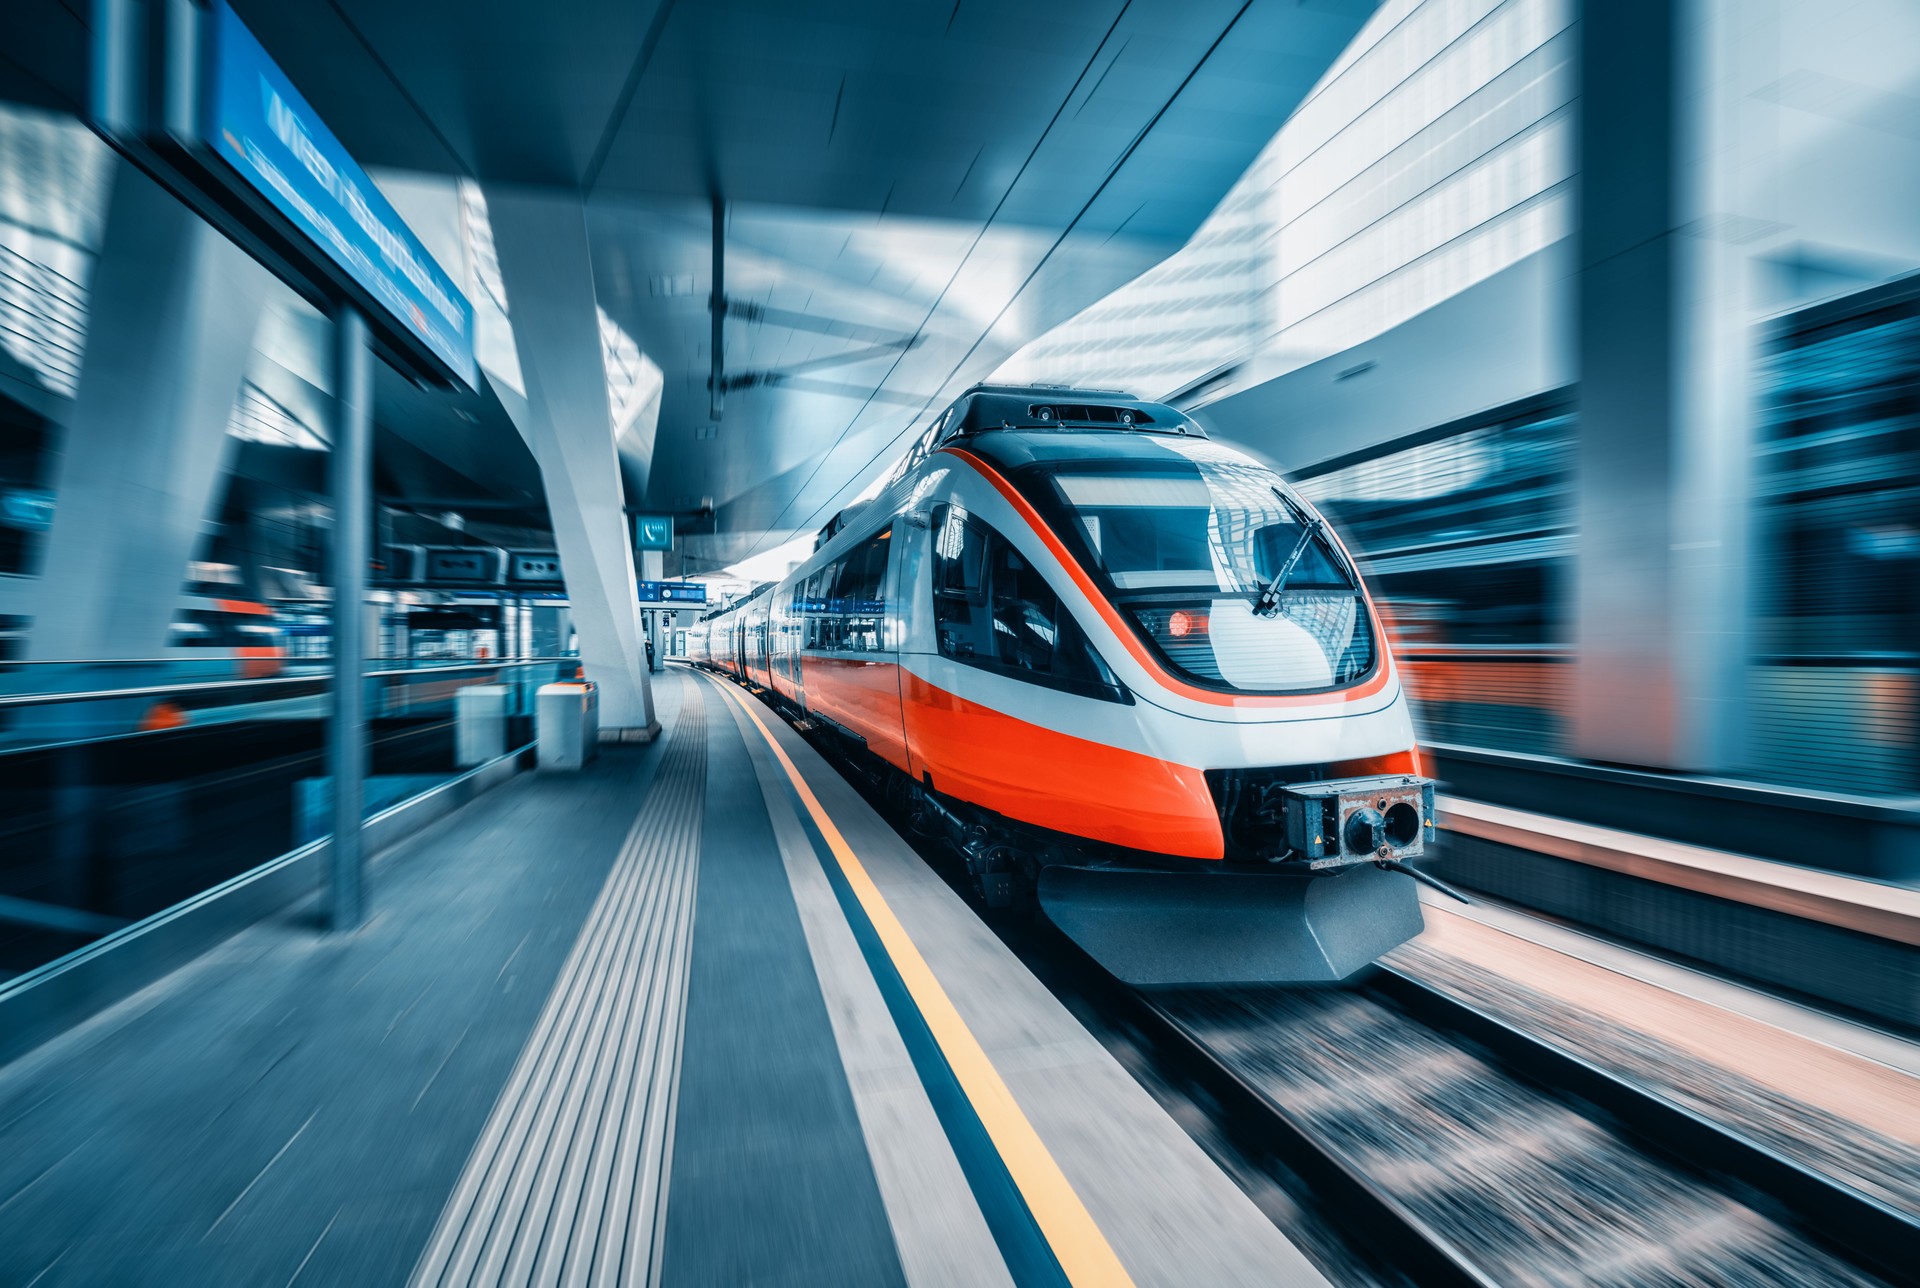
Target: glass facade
x=195, y=514
x=1435, y=152
x=55, y=177
x=1465, y=536
x=1834, y=688
x=54, y=181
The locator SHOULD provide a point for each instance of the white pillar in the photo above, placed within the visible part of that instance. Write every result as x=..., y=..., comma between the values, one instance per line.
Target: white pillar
x=1660, y=611
x=173, y=311
x=547, y=268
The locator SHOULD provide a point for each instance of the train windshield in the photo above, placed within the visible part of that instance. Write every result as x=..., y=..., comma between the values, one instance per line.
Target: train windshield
x=1233, y=580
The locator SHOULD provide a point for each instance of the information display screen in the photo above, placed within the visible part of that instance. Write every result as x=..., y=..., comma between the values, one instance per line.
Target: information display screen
x=673, y=592
x=254, y=119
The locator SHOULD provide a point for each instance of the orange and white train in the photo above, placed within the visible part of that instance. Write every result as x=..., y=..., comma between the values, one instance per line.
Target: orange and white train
x=1122, y=667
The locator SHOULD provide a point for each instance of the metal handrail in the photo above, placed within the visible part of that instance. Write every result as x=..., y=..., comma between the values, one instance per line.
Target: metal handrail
x=178, y=660
x=318, y=681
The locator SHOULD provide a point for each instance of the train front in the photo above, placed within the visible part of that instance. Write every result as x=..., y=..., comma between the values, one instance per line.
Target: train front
x=1261, y=677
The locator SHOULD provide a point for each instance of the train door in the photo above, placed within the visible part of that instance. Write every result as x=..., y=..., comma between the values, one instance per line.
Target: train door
x=787, y=628
x=764, y=644
x=810, y=630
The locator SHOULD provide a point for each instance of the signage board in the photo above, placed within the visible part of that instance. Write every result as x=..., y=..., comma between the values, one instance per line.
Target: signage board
x=653, y=532
x=183, y=89
x=465, y=563
x=30, y=508
x=257, y=122
x=533, y=567
x=672, y=592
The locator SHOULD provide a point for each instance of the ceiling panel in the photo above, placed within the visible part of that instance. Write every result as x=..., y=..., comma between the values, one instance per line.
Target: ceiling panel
x=965, y=174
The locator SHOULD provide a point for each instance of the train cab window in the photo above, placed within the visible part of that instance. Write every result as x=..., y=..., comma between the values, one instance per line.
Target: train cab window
x=993, y=609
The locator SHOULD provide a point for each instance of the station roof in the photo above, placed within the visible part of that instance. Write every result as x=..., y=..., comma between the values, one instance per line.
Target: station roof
x=927, y=183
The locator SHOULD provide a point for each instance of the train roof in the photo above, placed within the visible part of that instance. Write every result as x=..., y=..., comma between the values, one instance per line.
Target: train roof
x=1060, y=407
x=1009, y=450
x=984, y=410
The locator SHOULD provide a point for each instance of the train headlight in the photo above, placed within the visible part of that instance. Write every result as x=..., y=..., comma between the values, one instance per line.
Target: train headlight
x=1166, y=624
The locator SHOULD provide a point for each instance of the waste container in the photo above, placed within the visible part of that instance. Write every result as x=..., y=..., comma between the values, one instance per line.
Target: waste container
x=479, y=724
x=567, y=723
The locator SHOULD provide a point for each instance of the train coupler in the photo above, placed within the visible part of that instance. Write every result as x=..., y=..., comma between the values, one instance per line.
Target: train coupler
x=1386, y=818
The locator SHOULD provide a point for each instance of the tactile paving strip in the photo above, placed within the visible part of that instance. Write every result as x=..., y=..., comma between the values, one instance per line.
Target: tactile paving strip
x=566, y=1183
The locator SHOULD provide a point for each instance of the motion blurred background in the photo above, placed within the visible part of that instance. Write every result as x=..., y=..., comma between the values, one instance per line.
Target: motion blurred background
x=1597, y=333
x=1593, y=325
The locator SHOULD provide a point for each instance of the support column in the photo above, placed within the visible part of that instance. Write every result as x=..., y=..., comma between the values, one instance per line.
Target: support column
x=653, y=567
x=546, y=266
x=172, y=315
x=1664, y=436
x=351, y=482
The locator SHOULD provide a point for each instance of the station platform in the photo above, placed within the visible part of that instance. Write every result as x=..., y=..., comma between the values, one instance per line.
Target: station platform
x=693, y=1015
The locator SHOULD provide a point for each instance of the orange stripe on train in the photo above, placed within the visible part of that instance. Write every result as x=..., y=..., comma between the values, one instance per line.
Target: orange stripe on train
x=1053, y=780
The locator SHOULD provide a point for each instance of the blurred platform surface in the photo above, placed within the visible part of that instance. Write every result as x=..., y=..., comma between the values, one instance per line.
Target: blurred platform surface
x=1833, y=1094
x=692, y=1015
x=1805, y=929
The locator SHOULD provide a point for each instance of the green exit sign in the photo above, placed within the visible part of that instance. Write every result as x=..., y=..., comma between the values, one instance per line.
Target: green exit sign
x=653, y=532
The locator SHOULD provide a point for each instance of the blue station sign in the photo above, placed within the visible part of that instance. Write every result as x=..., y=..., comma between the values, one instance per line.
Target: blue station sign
x=185, y=92
x=672, y=592
x=653, y=532
x=257, y=122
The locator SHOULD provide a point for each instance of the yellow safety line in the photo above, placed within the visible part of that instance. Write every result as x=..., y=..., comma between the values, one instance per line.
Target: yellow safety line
x=1082, y=1250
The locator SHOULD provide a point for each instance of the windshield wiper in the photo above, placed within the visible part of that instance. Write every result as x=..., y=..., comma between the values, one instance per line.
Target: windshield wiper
x=1268, y=602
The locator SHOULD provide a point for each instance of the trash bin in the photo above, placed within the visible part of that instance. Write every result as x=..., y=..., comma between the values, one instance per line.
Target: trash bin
x=567, y=723
x=479, y=724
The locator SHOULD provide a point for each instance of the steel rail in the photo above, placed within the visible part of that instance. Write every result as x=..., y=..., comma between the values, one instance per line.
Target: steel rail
x=1368, y=1214
x=1861, y=1227
x=1857, y=1226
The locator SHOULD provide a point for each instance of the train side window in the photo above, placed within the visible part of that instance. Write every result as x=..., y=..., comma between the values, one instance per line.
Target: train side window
x=993, y=609
x=827, y=630
x=784, y=621
x=200, y=628
x=807, y=604
x=857, y=597
x=960, y=616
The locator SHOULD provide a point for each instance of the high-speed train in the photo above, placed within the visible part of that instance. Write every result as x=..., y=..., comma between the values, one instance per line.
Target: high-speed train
x=1122, y=667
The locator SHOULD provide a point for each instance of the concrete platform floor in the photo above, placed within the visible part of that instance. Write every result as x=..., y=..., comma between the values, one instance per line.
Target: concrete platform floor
x=694, y=1016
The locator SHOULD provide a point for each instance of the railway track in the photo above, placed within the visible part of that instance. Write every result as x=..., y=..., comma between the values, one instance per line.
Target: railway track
x=1464, y=1151
x=1448, y=1147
